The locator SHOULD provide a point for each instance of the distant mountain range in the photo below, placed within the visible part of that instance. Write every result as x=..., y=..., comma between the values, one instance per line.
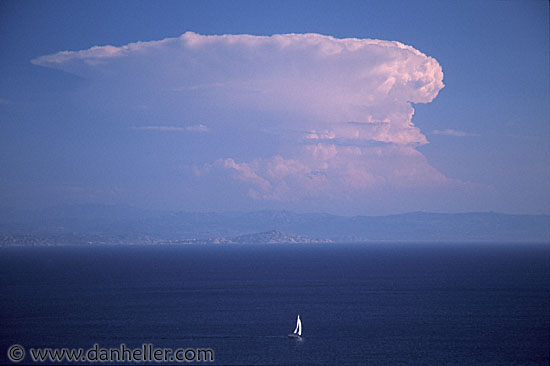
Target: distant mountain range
x=127, y=224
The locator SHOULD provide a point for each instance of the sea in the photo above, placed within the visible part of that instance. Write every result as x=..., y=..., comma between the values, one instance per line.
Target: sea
x=360, y=304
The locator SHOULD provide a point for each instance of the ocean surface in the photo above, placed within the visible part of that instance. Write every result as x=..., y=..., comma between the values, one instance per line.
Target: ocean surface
x=360, y=304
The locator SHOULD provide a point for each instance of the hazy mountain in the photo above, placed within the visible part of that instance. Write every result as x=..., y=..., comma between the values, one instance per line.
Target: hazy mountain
x=274, y=236
x=417, y=226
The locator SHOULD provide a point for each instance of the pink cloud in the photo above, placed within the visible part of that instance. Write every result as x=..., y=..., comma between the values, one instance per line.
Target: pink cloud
x=328, y=170
x=352, y=98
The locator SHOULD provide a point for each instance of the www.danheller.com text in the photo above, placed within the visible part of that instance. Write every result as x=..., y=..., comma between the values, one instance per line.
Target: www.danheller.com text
x=146, y=353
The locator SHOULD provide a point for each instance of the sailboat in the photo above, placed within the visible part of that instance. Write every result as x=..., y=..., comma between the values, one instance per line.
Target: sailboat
x=298, y=331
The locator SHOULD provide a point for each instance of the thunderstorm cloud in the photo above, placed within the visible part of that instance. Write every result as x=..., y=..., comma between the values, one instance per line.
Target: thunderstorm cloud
x=345, y=105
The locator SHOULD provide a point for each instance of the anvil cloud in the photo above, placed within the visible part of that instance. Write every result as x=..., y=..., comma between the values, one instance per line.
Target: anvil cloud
x=348, y=104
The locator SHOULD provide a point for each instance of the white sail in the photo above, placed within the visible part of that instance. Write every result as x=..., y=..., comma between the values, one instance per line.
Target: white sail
x=298, y=329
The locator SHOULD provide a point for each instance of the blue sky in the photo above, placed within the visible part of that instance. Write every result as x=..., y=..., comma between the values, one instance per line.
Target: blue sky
x=267, y=123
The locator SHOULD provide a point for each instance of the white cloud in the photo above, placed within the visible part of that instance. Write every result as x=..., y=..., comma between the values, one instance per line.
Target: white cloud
x=455, y=133
x=344, y=93
x=338, y=172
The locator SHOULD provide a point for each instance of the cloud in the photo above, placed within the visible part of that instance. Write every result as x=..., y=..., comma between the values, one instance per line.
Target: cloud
x=194, y=128
x=336, y=172
x=455, y=133
x=351, y=97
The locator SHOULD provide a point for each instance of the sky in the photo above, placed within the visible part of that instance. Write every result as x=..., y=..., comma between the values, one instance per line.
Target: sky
x=348, y=107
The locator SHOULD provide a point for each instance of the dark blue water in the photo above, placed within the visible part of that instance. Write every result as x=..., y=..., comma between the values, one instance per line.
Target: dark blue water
x=376, y=304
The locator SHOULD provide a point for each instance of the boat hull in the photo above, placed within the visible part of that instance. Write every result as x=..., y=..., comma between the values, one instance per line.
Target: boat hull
x=294, y=335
